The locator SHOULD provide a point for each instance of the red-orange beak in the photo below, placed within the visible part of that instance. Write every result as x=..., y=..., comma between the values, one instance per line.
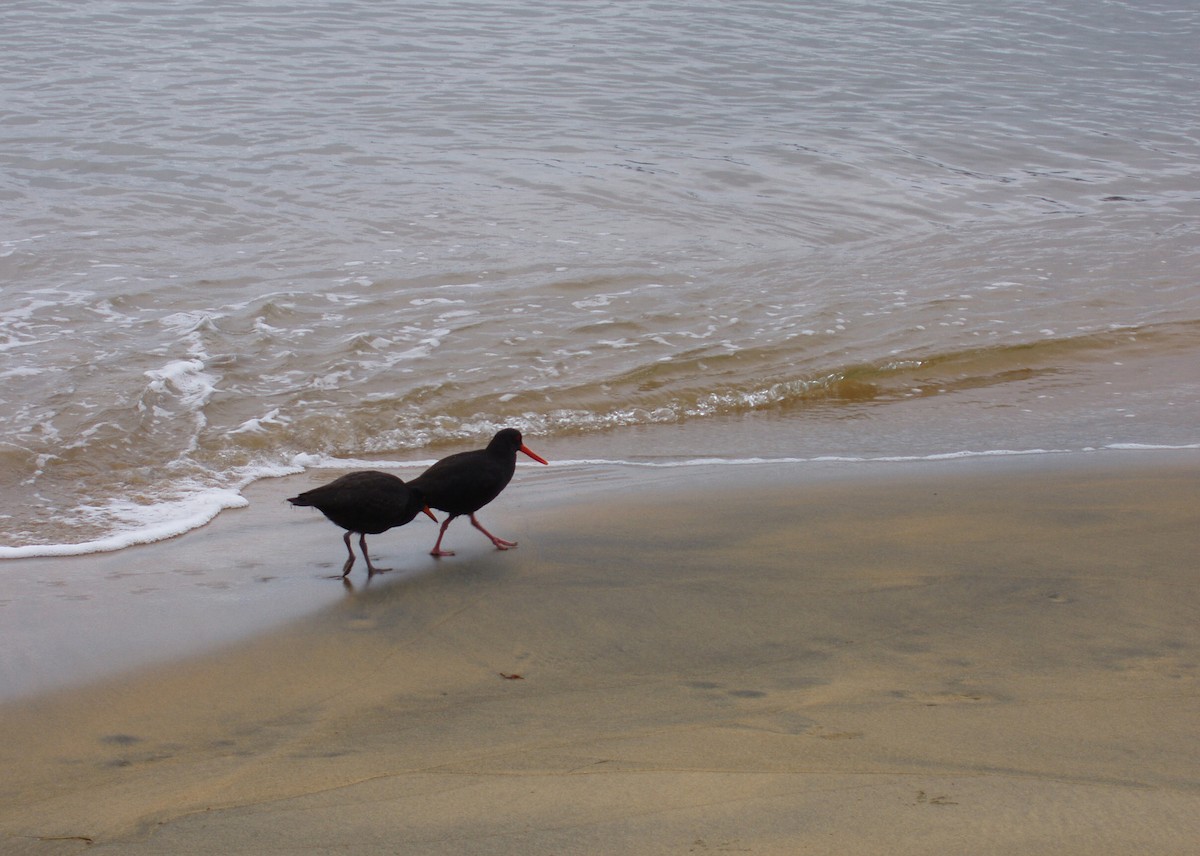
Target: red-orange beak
x=429, y=513
x=534, y=455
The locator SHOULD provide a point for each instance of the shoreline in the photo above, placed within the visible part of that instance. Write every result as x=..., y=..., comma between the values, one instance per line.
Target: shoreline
x=98, y=615
x=726, y=655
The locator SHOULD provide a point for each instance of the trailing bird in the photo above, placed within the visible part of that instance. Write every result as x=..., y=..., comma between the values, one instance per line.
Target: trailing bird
x=367, y=502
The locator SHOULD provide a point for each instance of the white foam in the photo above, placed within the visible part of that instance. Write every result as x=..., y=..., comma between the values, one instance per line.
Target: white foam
x=307, y=461
x=185, y=378
x=854, y=459
x=174, y=518
x=1146, y=446
x=325, y=462
x=145, y=524
x=21, y=371
x=259, y=425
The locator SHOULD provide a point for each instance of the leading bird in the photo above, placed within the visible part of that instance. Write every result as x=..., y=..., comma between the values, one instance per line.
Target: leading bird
x=466, y=482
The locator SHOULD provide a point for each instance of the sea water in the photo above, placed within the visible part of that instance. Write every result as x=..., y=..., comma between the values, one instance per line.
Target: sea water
x=241, y=238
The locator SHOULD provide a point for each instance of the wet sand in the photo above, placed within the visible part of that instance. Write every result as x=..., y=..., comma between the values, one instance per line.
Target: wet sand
x=987, y=656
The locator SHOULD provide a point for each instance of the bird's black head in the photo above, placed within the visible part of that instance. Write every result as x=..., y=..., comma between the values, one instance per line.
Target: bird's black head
x=507, y=441
x=418, y=504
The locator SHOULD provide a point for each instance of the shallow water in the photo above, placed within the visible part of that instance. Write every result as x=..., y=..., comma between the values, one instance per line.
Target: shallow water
x=237, y=234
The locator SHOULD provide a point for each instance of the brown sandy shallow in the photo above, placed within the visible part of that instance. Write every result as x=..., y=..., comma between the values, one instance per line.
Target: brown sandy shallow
x=984, y=657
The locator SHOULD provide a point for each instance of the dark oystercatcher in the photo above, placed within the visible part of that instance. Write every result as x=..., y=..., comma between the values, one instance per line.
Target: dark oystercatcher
x=466, y=482
x=367, y=502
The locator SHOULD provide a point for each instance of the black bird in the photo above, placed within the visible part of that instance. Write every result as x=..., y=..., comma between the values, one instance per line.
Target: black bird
x=366, y=502
x=466, y=482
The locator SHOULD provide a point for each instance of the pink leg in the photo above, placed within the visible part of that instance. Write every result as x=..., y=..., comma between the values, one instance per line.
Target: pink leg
x=371, y=569
x=500, y=543
x=437, y=548
x=349, y=562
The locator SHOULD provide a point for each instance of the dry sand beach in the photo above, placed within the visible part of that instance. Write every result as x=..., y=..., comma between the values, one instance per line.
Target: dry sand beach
x=984, y=656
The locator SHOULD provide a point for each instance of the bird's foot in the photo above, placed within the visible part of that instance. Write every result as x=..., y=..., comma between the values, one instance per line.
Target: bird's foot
x=437, y=554
x=500, y=543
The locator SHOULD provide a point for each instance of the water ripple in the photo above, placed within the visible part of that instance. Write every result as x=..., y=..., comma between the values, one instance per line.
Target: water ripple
x=235, y=232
